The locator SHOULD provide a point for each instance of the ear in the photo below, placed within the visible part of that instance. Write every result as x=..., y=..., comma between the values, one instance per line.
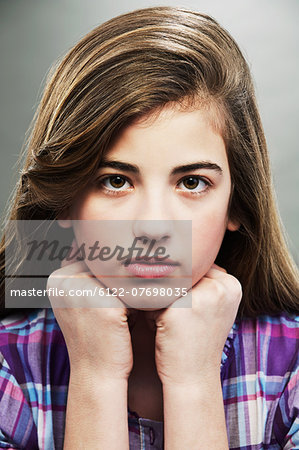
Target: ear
x=64, y=219
x=233, y=225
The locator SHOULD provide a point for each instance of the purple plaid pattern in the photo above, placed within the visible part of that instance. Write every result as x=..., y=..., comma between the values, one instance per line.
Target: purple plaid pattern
x=259, y=374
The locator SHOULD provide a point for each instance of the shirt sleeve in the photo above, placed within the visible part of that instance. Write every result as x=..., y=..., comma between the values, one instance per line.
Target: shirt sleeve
x=288, y=413
x=293, y=438
x=17, y=427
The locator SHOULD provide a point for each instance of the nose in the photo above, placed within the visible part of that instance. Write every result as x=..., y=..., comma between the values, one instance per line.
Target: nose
x=153, y=229
x=153, y=214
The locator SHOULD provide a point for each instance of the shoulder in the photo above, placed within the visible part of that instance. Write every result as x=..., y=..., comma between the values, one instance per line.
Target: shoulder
x=262, y=374
x=33, y=361
x=35, y=327
x=274, y=328
x=17, y=333
x=273, y=340
x=25, y=323
x=284, y=324
x=22, y=334
x=25, y=338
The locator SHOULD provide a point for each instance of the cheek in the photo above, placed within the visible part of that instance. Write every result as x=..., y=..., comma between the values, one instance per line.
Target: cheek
x=207, y=234
x=92, y=207
x=88, y=207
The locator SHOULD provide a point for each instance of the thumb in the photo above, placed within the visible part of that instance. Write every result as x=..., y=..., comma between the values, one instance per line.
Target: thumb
x=152, y=317
x=155, y=318
x=73, y=255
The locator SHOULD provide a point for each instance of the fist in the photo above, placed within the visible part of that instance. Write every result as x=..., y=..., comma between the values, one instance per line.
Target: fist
x=190, y=335
x=95, y=327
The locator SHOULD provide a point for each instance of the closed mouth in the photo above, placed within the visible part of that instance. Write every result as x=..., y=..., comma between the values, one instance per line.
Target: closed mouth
x=151, y=261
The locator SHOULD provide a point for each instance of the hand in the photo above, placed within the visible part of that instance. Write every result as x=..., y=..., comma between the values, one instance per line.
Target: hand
x=96, y=337
x=190, y=340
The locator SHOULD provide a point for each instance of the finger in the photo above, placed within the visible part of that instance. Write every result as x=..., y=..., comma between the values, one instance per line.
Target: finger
x=182, y=302
x=82, y=279
x=72, y=256
x=216, y=273
x=72, y=269
x=215, y=266
x=87, y=290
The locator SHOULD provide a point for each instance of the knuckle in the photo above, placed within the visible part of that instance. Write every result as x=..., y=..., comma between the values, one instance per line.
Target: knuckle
x=53, y=279
x=218, y=289
x=112, y=315
x=58, y=280
x=235, y=287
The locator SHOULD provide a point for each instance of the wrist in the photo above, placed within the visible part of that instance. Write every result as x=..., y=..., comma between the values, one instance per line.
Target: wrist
x=96, y=374
x=201, y=389
x=194, y=411
x=205, y=380
x=89, y=378
x=193, y=398
x=98, y=406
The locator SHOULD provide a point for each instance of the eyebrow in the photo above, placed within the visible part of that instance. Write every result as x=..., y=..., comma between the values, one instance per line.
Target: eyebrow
x=127, y=167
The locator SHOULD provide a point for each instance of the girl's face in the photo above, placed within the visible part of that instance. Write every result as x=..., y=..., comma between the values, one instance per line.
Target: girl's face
x=173, y=168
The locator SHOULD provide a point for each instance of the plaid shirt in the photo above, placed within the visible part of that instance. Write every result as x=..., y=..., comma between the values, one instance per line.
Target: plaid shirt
x=259, y=374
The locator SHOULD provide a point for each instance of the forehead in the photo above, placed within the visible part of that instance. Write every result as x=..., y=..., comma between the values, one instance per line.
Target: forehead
x=171, y=134
x=210, y=110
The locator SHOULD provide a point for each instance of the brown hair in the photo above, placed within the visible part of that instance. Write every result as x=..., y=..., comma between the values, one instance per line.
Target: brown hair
x=128, y=67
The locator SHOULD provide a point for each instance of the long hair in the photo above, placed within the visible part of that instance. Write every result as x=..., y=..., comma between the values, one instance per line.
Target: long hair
x=127, y=68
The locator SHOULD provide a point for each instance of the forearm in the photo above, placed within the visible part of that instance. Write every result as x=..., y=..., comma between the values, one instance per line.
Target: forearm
x=96, y=415
x=194, y=416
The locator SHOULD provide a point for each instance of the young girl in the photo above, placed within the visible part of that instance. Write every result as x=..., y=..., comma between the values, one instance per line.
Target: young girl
x=151, y=118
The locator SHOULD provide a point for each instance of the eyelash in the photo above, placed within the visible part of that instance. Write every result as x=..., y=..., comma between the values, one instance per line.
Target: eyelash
x=100, y=182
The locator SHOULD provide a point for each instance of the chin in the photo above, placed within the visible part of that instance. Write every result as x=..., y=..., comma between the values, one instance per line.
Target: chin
x=149, y=309
x=146, y=305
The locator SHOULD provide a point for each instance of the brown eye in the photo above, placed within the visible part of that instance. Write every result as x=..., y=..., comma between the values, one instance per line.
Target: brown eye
x=191, y=182
x=113, y=184
x=117, y=181
x=194, y=184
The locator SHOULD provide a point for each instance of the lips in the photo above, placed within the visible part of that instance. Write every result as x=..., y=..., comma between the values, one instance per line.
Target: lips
x=152, y=268
x=154, y=261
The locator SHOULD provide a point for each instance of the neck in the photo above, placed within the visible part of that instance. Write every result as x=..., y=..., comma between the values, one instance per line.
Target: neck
x=143, y=338
x=145, y=388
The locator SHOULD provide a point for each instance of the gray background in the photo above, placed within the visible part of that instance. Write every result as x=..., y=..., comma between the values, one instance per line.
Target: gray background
x=34, y=33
